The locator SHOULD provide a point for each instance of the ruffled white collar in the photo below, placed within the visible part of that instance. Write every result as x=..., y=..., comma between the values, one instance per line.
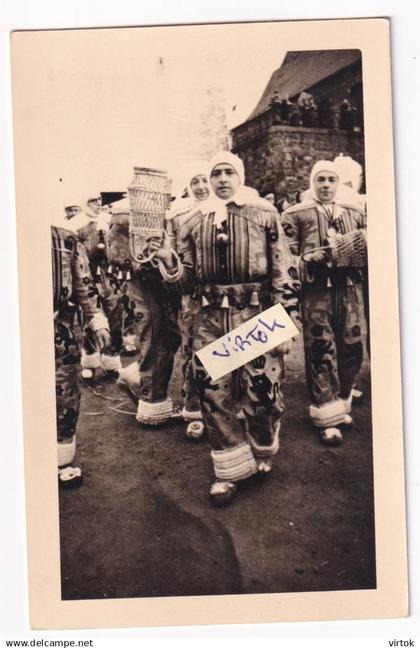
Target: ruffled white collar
x=244, y=195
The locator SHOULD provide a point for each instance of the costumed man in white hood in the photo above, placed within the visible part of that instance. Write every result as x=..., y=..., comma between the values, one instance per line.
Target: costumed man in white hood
x=234, y=254
x=329, y=301
x=73, y=287
x=91, y=227
x=197, y=179
x=348, y=191
x=351, y=174
x=197, y=188
x=147, y=309
x=71, y=208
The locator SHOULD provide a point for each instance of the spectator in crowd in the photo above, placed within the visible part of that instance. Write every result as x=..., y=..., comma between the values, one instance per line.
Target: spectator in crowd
x=295, y=117
x=325, y=113
x=347, y=115
x=307, y=108
x=312, y=113
x=285, y=110
x=276, y=106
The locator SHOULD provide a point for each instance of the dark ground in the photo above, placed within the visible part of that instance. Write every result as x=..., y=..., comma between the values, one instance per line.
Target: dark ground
x=142, y=525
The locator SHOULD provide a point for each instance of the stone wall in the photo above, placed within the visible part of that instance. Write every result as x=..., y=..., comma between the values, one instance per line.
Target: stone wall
x=284, y=155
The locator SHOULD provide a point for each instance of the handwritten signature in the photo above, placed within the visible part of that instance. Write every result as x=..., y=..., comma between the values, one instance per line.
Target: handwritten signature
x=241, y=343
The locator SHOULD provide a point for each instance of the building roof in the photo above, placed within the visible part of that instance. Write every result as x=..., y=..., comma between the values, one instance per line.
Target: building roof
x=109, y=197
x=302, y=70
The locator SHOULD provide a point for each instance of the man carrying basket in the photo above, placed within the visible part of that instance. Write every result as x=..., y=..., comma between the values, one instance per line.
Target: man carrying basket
x=328, y=238
x=145, y=307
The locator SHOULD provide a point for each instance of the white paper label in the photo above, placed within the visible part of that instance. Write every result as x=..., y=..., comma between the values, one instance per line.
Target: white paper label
x=248, y=341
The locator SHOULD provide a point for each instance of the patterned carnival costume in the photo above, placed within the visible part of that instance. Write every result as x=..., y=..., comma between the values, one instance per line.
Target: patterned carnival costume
x=234, y=254
x=72, y=286
x=198, y=186
x=91, y=227
x=351, y=176
x=146, y=308
x=329, y=301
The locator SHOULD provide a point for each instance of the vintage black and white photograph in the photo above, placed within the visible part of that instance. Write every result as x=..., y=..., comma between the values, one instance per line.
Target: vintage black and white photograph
x=194, y=180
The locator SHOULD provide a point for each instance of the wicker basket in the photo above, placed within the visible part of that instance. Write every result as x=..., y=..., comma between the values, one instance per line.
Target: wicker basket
x=149, y=195
x=132, y=227
x=348, y=250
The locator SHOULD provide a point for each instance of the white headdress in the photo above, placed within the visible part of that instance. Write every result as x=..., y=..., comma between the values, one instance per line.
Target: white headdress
x=242, y=195
x=319, y=167
x=350, y=171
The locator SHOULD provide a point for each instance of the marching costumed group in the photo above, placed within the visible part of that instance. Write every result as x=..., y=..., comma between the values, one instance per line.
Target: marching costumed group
x=225, y=256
